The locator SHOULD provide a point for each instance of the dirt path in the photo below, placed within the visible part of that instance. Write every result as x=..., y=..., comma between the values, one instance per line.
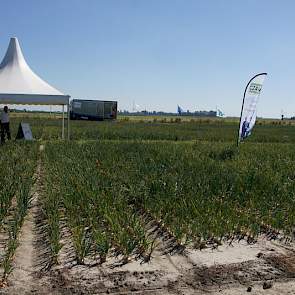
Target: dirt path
x=23, y=278
x=26, y=277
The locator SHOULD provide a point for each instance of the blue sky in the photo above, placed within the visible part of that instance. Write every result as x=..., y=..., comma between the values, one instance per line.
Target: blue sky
x=159, y=53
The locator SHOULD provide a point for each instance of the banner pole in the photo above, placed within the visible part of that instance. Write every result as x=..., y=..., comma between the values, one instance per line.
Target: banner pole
x=68, y=120
x=63, y=122
x=238, y=140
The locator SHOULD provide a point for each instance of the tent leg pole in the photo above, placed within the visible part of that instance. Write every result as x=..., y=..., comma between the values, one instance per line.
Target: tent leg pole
x=63, y=122
x=68, y=122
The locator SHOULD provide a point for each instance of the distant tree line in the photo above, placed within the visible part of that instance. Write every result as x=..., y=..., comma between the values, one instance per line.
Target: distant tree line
x=161, y=113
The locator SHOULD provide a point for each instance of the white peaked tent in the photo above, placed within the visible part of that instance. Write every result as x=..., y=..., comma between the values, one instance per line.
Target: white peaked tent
x=20, y=85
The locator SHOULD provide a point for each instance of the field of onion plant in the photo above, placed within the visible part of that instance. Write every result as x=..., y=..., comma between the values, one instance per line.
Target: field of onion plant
x=123, y=193
x=18, y=163
x=200, y=193
x=171, y=129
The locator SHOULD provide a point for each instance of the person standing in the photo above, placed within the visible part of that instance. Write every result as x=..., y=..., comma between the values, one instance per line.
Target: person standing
x=5, y=130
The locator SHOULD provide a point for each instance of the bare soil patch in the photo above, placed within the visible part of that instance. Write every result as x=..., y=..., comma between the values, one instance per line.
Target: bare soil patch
x=177, y=274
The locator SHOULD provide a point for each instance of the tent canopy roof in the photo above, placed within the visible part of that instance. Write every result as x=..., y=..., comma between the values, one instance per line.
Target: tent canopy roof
x=20, y=85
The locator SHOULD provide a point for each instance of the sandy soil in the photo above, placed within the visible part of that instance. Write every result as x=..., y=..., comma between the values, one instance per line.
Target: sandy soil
x=228, y=270
x=264, y=267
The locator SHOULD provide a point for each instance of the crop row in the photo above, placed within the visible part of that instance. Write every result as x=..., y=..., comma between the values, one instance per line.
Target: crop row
x=18, y=162
x=93, y=206
x=198, y=192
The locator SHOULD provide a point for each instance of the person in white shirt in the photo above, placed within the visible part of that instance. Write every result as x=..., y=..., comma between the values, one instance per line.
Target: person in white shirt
x=5, y=130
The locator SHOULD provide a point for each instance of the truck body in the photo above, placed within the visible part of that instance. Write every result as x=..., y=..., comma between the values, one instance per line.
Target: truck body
x=93, y=109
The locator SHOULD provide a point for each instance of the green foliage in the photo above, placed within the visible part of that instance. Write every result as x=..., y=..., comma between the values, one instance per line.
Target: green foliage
x=90, y=198
x=197, y=191
x=159, y=128
x=187, y=175
x=227, y=153
x=18, y=165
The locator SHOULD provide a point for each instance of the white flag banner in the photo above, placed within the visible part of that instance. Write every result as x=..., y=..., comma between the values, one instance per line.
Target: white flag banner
x=249, y=107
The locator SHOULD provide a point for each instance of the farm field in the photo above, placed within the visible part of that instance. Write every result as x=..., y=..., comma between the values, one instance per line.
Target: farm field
x=156, y=128
x=148, y=207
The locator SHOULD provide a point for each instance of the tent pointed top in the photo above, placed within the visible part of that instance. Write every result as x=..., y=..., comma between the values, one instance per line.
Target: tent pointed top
x=17, y=78
x=13, y=54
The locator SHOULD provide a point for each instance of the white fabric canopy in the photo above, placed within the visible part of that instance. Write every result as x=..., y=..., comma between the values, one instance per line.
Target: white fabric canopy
x=20, y=85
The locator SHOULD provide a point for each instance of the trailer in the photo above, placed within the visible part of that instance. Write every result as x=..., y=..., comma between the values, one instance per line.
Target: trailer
x=81, y=109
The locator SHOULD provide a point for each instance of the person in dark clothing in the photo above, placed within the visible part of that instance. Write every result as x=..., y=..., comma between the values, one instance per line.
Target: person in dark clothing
x=5, y=130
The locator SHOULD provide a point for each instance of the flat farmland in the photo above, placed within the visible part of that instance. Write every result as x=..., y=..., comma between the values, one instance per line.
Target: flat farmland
x=148, y=206
x=48, y=127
